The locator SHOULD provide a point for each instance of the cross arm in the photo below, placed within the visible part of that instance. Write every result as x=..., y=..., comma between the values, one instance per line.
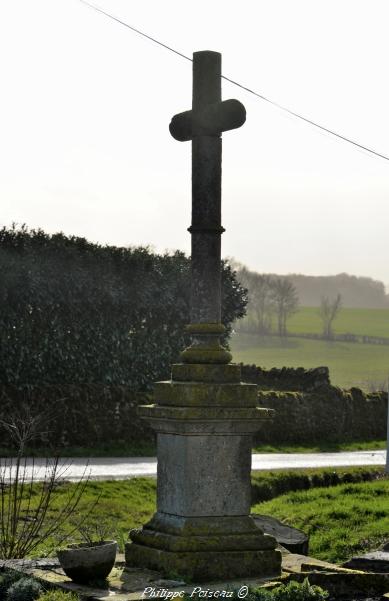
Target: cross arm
x=210, y=121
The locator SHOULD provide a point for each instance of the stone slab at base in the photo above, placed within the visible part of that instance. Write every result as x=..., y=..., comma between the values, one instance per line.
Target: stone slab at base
x=129, y=584
x=377, y=561
x=203, y=565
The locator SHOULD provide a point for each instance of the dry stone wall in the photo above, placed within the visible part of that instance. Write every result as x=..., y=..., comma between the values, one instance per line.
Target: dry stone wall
x=307, y=410
x=287, y=378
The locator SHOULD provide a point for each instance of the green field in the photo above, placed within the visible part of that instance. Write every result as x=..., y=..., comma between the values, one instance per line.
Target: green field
x=362, y=322
x=350, y=364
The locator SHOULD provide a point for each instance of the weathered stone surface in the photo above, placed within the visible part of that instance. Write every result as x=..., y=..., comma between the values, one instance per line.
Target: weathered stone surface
x=187, y=372
x=208, y=427
x=203, y=526
x=206, y=414
x=209, y=420
x=207, y=565
x=29, y=564
x=292, y=539
x=130, y=584
x=339, y=581
x=206, y=354
x=216, y=542
x=188, y=394
x=377, y=561
x=204, y=475
x=296, y=563
x=175, y=533
x=347, y=585
x=85, y=562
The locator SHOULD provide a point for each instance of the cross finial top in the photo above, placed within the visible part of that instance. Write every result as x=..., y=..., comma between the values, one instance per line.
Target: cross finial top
x=209, y=115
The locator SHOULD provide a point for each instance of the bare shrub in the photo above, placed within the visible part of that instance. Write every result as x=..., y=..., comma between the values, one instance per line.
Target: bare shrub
x=28, y=512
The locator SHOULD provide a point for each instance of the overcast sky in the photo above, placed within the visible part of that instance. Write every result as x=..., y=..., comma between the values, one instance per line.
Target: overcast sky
x=85, y=106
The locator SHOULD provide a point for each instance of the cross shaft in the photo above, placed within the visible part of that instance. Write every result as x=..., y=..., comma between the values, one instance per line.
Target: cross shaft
x=203, y=125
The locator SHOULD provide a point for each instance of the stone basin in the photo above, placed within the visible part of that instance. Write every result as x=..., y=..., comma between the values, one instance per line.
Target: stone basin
x=85, y=562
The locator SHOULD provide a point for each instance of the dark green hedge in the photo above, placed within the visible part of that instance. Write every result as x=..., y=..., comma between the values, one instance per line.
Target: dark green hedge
x=73, y=312
x=88, y=415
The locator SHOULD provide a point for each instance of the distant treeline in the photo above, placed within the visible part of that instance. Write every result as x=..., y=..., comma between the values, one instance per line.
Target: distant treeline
x=359, y=292
x=273, y=299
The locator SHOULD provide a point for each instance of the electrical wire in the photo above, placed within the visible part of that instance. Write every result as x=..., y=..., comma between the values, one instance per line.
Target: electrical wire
x=100, y=10
x=235, y=83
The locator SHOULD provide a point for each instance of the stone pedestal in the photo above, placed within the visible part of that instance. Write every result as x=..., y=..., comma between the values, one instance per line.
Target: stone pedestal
x=204, y=418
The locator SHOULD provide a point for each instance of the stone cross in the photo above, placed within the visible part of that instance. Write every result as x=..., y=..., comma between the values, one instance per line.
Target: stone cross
x=204, y=416
x=203, y=125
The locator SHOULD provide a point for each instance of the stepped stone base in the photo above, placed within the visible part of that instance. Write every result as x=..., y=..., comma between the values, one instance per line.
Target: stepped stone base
x=204, y=565
x=200, y=548
x=204, y=418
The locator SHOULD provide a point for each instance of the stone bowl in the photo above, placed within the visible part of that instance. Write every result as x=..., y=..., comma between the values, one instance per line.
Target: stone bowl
x=84, y=562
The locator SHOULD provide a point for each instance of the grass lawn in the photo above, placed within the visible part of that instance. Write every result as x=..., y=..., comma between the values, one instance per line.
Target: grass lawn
x=368, y=322
x=350, y=364
x=341, y=520
x=121, y=506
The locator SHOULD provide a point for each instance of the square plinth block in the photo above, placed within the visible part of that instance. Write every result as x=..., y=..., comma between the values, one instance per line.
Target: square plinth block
x=204, y=475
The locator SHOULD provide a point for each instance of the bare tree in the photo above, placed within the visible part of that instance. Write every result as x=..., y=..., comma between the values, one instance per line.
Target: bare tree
x=260, y=298
x=260, y=306
x=328, y=311
x=285, y=301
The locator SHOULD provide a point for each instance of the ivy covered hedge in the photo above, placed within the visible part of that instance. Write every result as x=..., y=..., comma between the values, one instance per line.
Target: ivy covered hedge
x=75, y=313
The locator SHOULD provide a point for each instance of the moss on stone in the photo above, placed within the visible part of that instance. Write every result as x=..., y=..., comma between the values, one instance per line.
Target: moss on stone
x=205, y=328
x=205, y=413
x=205, y=394
x=211, y=542
x=202, y=372
x=203, y=566
x=206, y=355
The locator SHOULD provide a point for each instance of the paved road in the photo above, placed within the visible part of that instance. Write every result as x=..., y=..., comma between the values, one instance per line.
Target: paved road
x=120, y=468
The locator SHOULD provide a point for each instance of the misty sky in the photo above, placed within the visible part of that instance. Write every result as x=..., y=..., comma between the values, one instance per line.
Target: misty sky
x=85, y=106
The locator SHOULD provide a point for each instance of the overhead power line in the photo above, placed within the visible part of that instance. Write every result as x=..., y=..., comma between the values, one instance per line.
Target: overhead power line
x=235, y=83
